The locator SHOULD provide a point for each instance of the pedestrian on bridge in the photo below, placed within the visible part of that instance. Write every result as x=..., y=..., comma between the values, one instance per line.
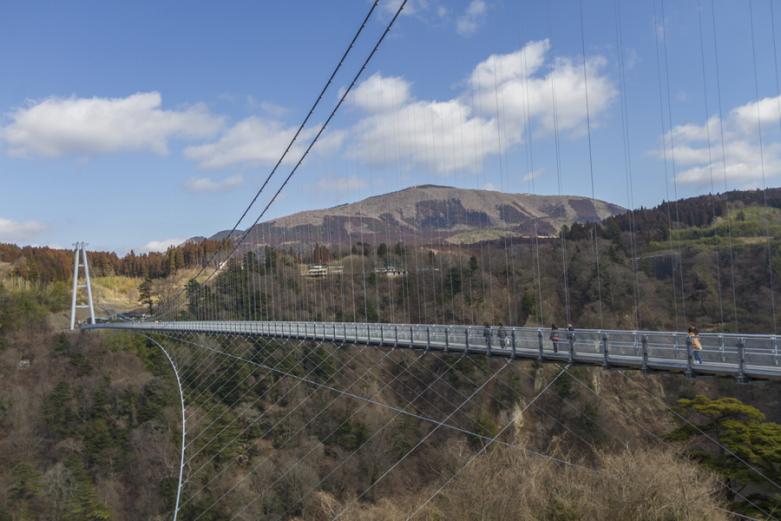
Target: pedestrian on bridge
x=696, y=345
x=487, y=334
x=554, y=337
x=504, y=340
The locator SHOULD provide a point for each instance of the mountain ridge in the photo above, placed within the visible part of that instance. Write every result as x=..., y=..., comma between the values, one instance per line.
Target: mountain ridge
x=432, y=213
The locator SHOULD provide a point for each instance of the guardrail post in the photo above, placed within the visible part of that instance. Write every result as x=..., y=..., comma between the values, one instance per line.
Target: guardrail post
x=368, y=335
x=572, y=347
x=606, y=362
x=466, y=340
x=514, y=346
x=334, y=333
x=396, y=336
x=447, y=339
x=721, y=340
x=428, y=338
x=382, y=335
x=540, y=346
x=741, y=362
x=411, y=338
x=689, y=368
x=489, y=342
x=644, y=344
x=775, y=350
x=356, y=333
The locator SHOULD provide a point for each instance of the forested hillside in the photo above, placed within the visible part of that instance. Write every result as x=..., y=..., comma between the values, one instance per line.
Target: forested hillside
x=90, y=431
x=44, y=265
x=88, y=423
x=718, y=266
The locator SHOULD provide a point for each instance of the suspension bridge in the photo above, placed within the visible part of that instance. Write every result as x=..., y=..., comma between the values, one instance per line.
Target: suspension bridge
x=741, y=356
x=247, y=317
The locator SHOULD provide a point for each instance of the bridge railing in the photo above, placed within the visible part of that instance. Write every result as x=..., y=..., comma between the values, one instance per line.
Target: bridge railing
x=722, y=353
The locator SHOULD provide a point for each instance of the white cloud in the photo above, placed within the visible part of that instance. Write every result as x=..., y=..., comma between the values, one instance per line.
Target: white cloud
x=524, y=89
x=458, y=134
x=443, y=136
x=260, y=142
x=470, y=21
x=490, y=187
x=766, y=111
x=206, y=184
x=341, y=184
x=378, y=93
x=160, y=246
x=741, y=161
x=16, y=231
x=87, y=126
x=501, y=68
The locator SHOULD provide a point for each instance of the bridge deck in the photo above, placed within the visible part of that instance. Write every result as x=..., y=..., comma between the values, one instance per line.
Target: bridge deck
x=742, y=356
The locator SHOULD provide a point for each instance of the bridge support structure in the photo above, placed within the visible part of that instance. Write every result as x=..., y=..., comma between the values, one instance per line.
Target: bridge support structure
x=80, y=262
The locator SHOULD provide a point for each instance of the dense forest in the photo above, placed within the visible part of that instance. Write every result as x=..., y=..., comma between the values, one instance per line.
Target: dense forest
x=44, y=265
x=87, y=423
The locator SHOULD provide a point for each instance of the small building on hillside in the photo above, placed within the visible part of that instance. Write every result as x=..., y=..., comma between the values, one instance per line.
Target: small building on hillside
x=391, y=272
x=315, y=271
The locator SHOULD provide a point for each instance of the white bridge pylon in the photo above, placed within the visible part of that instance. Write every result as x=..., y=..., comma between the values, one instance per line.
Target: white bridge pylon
x=80, y=262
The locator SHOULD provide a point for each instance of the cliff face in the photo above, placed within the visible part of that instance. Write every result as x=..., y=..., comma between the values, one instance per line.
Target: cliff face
x=433, y=214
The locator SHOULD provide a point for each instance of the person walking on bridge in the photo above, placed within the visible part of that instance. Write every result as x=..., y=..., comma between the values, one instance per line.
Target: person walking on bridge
x=504, y=340
x=554, y=337
x=487, y=335
x=696, y=345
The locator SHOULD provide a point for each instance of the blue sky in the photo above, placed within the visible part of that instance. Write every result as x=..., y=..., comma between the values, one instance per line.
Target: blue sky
x=138, y=124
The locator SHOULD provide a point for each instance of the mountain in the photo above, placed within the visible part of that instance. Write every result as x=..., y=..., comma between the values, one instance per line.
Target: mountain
x=429, y=213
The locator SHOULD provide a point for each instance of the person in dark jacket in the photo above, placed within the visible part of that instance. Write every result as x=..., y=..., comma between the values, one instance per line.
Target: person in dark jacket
x=487, y=334
x=554, y=337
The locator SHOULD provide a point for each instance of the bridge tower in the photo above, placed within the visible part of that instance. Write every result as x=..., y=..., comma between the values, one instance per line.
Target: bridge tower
x=80, y=261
